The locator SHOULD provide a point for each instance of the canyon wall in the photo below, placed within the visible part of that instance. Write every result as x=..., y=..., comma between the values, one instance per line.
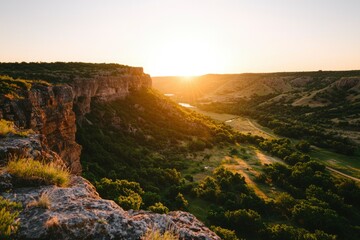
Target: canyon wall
x=53, y=109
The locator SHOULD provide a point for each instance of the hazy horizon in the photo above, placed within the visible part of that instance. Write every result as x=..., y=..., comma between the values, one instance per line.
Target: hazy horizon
x=177, y=38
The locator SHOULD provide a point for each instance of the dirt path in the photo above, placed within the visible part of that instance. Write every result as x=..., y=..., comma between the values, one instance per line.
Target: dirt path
x=259, y=129
x=343, y=174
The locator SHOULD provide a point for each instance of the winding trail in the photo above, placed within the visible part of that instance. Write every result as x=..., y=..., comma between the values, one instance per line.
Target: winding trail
x=259, y=129
x=343, y=174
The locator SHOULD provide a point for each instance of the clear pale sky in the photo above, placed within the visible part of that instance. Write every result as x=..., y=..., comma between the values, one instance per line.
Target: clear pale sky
x=185, y=37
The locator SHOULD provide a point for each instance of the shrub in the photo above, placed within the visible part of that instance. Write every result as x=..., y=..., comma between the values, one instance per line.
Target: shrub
x=158, y=208
x=131, y=200
x=29, y=171
x=224, y=233
x=8, y=217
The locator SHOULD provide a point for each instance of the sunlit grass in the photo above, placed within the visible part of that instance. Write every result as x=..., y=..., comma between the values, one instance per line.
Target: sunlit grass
x=35, y=171
x=153, y=234
x=8, y=127
x=42, y=202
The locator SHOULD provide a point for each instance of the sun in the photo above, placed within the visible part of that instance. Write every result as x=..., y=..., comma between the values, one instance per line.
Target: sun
x=184, y=57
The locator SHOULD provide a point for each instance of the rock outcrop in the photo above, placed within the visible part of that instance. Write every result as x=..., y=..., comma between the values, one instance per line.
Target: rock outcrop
x=105, y=87
x=77, y=212
x=29, y=147
x=50, y=109
x=47, y=110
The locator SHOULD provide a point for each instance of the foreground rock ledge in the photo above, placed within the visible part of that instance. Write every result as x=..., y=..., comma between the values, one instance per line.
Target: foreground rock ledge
x=77, y=212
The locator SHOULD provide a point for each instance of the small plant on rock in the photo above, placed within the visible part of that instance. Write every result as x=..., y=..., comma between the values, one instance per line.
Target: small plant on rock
x=9, y=222
x=42, y=202
x=29, y=171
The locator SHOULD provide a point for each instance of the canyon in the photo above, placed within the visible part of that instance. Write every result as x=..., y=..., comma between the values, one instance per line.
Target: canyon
x=51, y=110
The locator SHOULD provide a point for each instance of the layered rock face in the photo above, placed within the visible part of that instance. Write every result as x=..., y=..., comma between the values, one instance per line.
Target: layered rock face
x=47, y=110
x=77, y=212
x=50, y=109
x=105, y=87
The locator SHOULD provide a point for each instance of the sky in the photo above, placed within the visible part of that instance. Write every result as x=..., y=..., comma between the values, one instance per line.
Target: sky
x=186, y=37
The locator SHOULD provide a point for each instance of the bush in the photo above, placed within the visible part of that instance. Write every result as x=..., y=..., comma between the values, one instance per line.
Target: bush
x=158, y=208
x=30, y=172
x=127, y=194
x=8, y=217
x=131, y=200
x=224, y=233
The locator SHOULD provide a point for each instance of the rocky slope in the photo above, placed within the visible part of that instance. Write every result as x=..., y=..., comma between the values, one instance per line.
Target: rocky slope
x=77, y=212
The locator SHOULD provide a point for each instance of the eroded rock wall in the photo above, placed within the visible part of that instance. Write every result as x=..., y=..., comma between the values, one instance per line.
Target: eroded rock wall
x=47, y=110
x=52, y=110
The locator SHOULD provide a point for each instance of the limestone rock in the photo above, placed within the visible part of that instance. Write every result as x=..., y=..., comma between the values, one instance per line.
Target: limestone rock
x=26, y=147
x=78, y=212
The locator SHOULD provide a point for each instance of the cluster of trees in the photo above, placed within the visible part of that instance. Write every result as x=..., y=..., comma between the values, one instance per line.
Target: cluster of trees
x=314, y=200
x=303, y=123
x=145, y=139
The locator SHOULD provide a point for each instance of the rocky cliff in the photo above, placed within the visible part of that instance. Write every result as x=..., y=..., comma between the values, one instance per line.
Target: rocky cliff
x=47, y=110
x=51, y=109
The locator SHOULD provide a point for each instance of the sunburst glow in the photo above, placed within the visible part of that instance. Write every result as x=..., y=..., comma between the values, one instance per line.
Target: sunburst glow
x=185, y=57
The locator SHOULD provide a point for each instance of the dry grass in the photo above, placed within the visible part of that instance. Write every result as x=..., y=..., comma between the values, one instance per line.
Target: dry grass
x=42, y=202
x=52, y=222
x=153, y=234
x=31, y=170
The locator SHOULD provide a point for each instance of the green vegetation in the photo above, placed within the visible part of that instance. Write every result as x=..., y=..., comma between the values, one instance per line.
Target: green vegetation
x=290, y=122
x=8, y=128
x=150, y=141
x=9, y=222
x=126, y=194
x=158, y=208
x=224, y=233
x=12, y=88
x=30, y=172
x=153, y=136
